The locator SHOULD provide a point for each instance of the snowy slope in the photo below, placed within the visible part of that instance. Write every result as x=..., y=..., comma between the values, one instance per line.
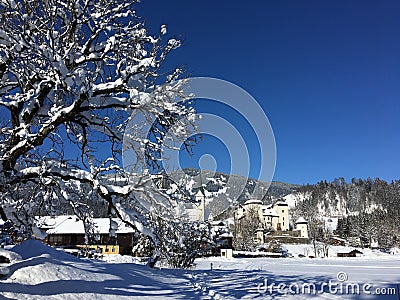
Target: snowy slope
x=46, y=273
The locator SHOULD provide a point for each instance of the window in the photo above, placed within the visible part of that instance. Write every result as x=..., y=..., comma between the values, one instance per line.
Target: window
x=283, y=210
x=113, y=249
x=55, y=239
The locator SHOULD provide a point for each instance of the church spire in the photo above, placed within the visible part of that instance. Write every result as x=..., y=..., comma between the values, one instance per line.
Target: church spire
x=201, y=197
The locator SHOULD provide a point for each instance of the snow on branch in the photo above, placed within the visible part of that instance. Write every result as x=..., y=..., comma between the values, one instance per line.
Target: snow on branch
x=71, y=75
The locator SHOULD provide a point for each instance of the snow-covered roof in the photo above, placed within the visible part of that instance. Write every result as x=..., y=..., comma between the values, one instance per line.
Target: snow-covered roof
x=217, y=223
x=301, y=220
x=49, y=222
x=253, y=201
x=281, y=203
x=266, y=211
x=71, y=224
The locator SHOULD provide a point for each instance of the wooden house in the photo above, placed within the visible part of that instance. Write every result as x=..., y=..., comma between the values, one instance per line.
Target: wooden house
x=353, y=253
x=69, y=231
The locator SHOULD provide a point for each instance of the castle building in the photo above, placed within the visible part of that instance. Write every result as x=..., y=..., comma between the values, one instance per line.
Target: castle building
x=282, y=209
x=274, y=221
x=275, y=217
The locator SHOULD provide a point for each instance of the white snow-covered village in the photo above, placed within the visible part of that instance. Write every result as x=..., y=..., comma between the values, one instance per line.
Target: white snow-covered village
x=199, y=150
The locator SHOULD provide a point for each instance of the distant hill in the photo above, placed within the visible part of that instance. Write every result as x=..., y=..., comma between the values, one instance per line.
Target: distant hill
x=366, y=210
x=216, y=182
x=339, y=198
x=223, y=190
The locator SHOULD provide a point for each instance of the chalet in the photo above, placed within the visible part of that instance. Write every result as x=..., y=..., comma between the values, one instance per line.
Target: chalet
x=69, y=231
x=353, y=253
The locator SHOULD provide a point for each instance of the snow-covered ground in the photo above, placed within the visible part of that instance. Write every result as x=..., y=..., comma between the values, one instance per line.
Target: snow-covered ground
x=307, y=250
x=41, y=272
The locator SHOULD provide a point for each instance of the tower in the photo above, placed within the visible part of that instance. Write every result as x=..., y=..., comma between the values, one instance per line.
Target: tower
x=301, y=225
x=282, y=209
x=201, y=208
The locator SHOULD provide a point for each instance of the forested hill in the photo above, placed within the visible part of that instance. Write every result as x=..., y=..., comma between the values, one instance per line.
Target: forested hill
x=343, y=199
x=367, y=209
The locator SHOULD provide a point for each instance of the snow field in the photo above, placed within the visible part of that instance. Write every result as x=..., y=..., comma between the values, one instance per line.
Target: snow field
x=41, y=272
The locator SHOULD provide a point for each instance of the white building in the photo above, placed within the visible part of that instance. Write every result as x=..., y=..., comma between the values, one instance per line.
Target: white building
x=199, y=212
x=270, y=218
x=226, y=253
x=274, y=220
x=275, y=217
x=282, y=209
x=301, y=224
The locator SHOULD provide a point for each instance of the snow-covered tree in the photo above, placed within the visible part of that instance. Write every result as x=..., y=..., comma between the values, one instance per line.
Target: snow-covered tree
x=182, y=242
x=244, y=232
x=73, y=73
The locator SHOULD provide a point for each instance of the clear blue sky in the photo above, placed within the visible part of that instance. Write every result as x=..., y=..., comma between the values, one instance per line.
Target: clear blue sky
x=327, y=74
